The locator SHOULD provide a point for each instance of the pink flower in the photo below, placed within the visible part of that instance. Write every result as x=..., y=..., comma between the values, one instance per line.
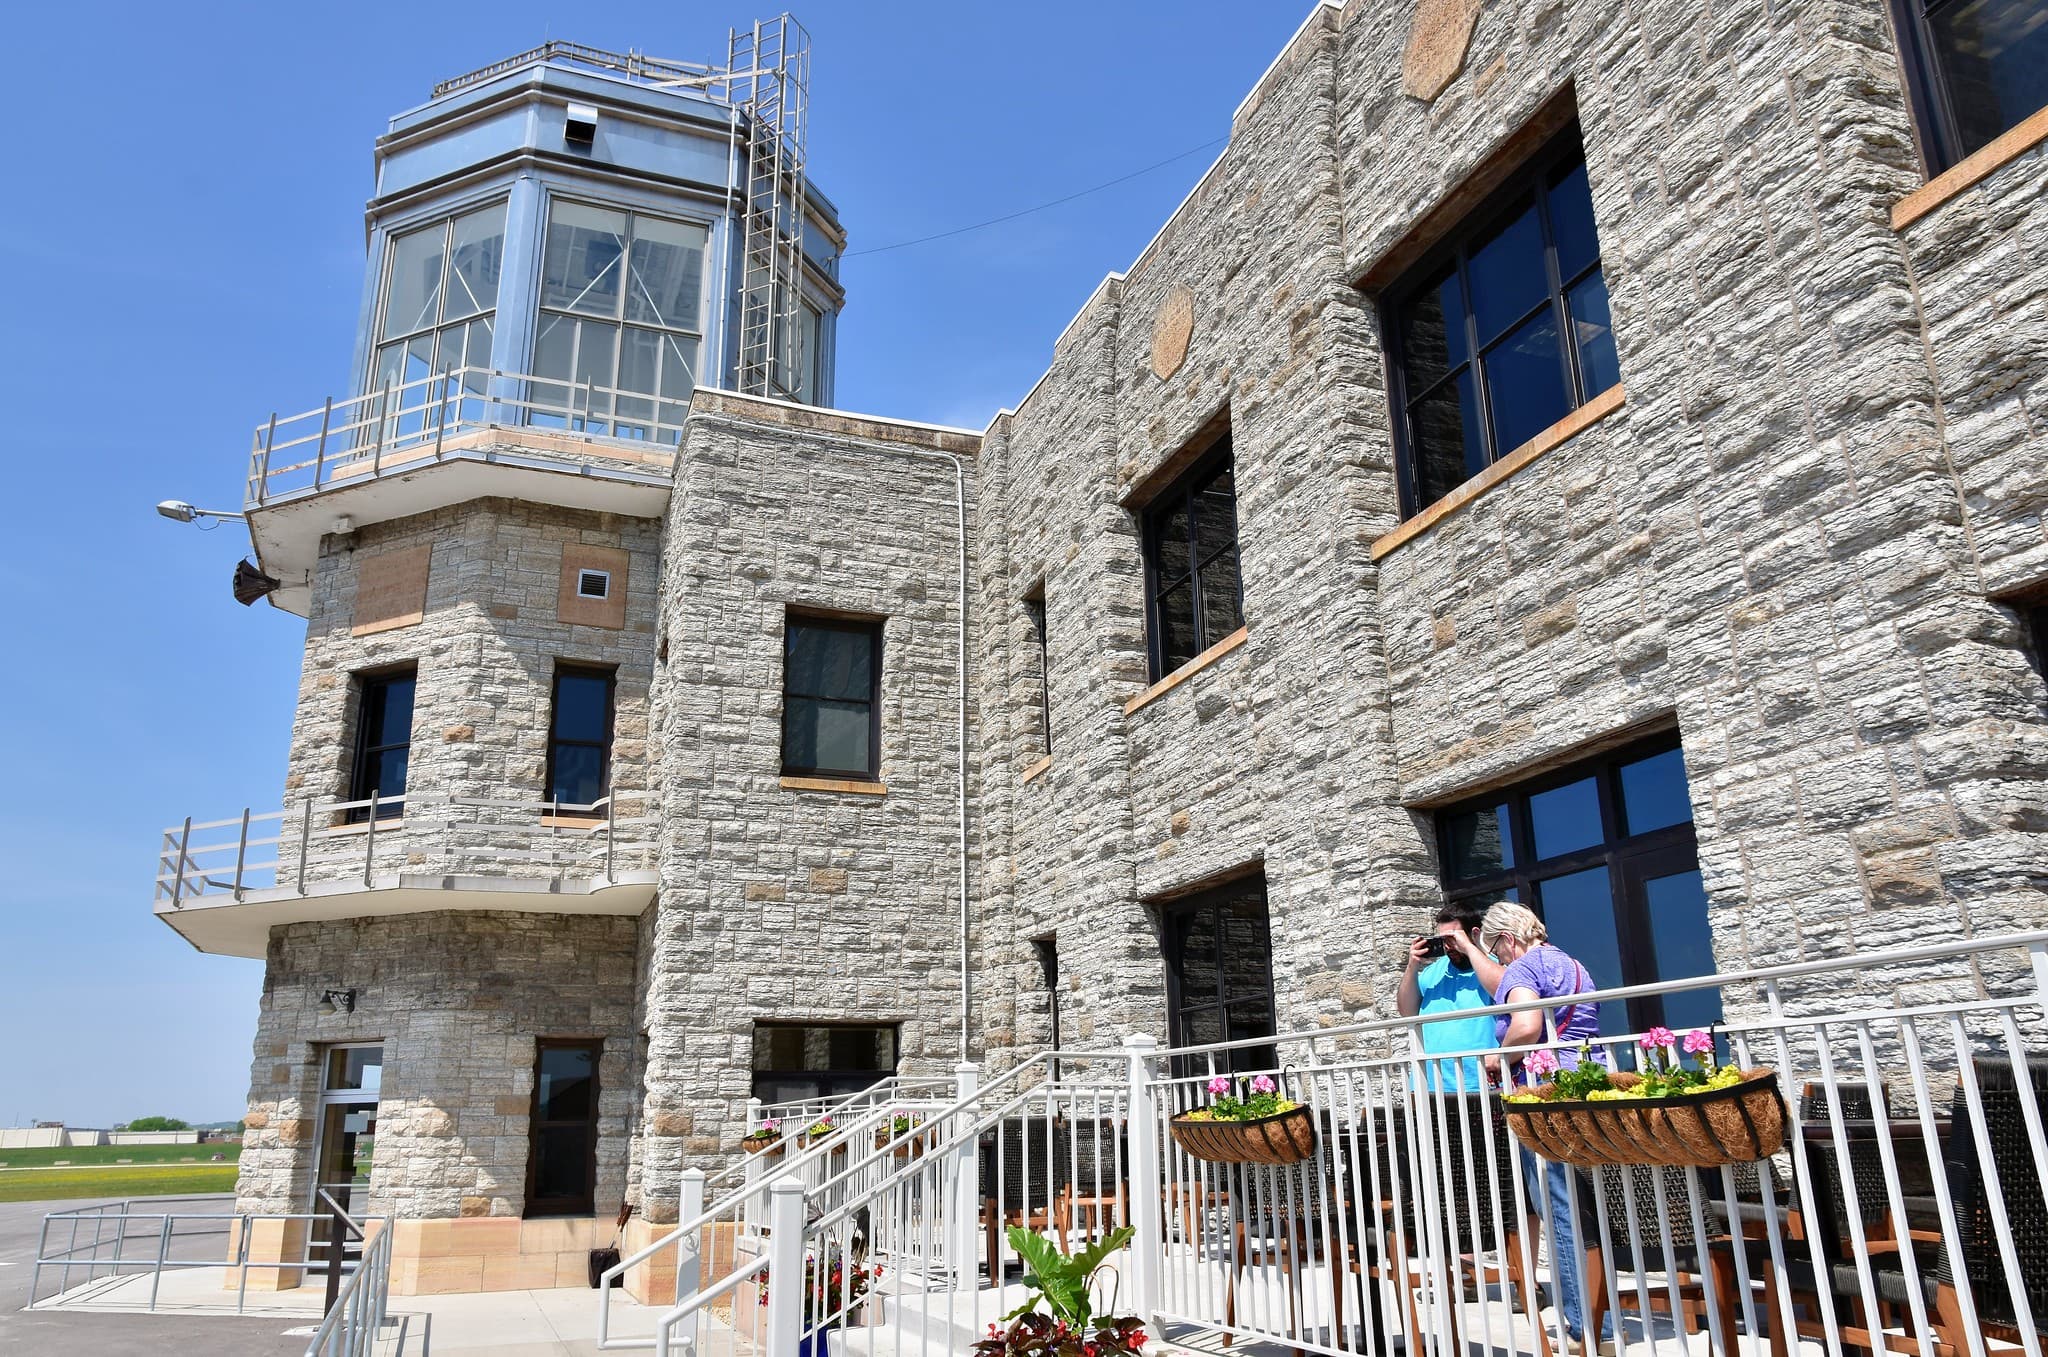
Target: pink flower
x=1219, y=1086
x=1262, y=1085
x=1540, y=1063
x=1698, y=1042
x=1658, y=1037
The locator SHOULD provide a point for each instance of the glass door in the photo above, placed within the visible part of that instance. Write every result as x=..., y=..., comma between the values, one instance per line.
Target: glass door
x=351, y=1080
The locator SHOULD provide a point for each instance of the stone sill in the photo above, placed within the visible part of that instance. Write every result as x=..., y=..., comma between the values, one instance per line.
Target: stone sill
x=1970, y=171
x=571, y=821
x=1573, y=424
x=851, y=786
x=1188, y=670
x=1037, y=770
x=348, y=827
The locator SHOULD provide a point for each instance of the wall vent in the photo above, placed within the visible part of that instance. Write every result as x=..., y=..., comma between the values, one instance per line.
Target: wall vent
x=593, y=584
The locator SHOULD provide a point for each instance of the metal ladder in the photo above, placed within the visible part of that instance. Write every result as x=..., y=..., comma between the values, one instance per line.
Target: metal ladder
x=769, y=70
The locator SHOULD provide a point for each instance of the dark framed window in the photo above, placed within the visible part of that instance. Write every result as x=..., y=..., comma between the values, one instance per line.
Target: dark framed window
x=1034, y=608
x=1219, y=972
x=831, y=690
x=2034, y=634
x=1975, y=69
x=580, y=735
x=561, y=1165
x=1605, y=852
x=383, y=742
x=820, y=1060
x=1502, y=330
x=1193, y=595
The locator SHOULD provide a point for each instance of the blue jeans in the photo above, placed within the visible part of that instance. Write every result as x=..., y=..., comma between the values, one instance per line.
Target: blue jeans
x=1551, y=1180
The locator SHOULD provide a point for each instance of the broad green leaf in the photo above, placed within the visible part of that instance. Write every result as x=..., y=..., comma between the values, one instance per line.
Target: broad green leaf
x=1065, y=1287
x=1090, y=1258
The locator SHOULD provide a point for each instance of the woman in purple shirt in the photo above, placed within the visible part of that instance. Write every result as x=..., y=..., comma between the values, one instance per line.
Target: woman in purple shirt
x=1533, y=969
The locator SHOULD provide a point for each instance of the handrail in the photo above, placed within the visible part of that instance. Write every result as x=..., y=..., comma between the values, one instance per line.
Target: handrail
x=355, y=1317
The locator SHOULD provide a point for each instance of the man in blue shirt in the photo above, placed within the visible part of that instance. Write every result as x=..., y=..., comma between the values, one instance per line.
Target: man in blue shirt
x=1454, y=975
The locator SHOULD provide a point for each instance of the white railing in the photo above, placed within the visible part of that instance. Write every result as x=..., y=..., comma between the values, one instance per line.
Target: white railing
x=1903, y=1213
x=796, y=1113
x=401, y=425
x=322, y=841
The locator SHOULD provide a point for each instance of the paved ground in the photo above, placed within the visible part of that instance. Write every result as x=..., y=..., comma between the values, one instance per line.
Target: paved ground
x=48, y=1334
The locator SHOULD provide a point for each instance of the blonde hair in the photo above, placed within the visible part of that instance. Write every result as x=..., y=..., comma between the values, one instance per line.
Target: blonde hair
x=1510, y=920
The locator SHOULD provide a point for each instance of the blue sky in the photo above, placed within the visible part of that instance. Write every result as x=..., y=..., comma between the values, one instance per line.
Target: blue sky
x=186, y=252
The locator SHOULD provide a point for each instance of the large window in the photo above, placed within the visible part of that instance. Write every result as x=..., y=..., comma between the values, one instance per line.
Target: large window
x=1501, y=331
x=1604, y=852
x=580, y=735
x=383, y=742
x=1975, y=69
x=440, y=303
x=1219, y=971
x=561, y=1164
x=831, y=685
x=1192, y=592
x=621, y=321
x=796, y=362
x=820, y=1060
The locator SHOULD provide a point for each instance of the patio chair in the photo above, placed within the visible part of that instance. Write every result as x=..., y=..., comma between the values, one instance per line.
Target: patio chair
x=2018, y=1185
x=1021, y=1175
x=1097, y=1169
x=1642, y=1248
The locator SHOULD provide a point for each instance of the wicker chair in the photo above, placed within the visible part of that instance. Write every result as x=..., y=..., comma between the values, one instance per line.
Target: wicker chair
x=1021, y=1178
x=1095, y=1186
x=2018, y=1184
x=1642, y=1248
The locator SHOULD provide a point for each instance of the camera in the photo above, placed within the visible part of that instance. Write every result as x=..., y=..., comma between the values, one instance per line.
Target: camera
x=1436, y=945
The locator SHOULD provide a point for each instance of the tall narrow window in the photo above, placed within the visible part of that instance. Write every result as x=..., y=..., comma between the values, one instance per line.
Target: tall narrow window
x=621, y=322
x=1975, y=69
x=580, y=736
x=561, y=1163
x=1503, y=330
x=439, y=308
x=1193, y=594
x=1219, y=970
x=1034, y=608
x=1604, y=852
x=831, y=683
x=383, y=743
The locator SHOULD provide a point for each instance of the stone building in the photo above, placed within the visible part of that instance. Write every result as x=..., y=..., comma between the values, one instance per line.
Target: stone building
x=1587, y=453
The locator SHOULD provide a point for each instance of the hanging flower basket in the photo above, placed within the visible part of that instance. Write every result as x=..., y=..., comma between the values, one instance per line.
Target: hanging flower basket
x=907, y=1146
x=1265, y=1128
x=769, y=1145
x=1703, y=1118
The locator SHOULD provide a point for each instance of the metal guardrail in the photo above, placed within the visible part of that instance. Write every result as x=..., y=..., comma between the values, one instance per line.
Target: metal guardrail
x=324, y=840
x=406, y=424
x=1904, y=1212
x=355, y=1307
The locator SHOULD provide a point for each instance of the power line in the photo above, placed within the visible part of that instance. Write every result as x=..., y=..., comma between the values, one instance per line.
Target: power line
x=1025, y=212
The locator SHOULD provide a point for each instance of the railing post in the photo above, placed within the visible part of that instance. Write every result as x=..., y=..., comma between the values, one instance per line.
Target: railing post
x=377, y=446
x=689, y=1252
x=1146, y=1181
x=241, y=854
x=611, y=834
x=963, y=1213
x=178, y=872
x=784, y=1322
x=370, y=841
x=263, y=464
x=320, y=452
x=305, y=842
x=441, y=419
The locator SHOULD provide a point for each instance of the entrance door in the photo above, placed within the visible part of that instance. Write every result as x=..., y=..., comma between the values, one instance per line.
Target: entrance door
x=351, y=1079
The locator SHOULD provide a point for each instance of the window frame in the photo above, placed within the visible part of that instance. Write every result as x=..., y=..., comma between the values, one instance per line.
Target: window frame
x=538, y=1207
x=1529, y=180
x=1615, y=852
x=409, y=417
x=363, y=751
x=608, y=422
x=1219, y=456
x=573, y=669
x=874, y=628
x=829, y=1079
x=1034, y=609
x=1937, y=128
x=1173, y=916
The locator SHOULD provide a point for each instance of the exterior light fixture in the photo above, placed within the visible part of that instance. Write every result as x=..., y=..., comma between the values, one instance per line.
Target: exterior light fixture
x=179, y=511
x=341, y=999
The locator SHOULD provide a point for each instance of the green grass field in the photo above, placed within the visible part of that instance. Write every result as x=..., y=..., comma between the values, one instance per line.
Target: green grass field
x=80, y=1156
x=127, y=1180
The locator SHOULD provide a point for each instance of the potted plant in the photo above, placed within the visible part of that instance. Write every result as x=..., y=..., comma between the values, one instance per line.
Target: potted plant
x=764, y=1138
x=900, y=1125
x=1700, y=1117
x=1265, y=1128
x=834, y=1292
x=815, y=1132
x=1068, y=1327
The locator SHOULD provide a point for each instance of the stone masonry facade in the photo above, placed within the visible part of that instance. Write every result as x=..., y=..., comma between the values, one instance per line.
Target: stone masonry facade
x=1801, y=534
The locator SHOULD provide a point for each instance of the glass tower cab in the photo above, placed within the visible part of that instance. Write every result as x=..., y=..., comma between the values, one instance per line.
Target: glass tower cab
x=562, y=247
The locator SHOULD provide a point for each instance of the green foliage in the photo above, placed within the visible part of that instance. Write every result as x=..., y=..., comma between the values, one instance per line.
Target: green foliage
x=1588, y=1078
x=157, y=1124
x=1062, y=1281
